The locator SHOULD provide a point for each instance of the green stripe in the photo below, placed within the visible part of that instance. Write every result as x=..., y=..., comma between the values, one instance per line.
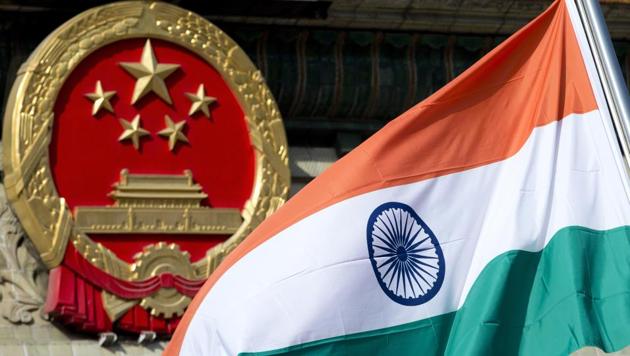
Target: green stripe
x=573, y=293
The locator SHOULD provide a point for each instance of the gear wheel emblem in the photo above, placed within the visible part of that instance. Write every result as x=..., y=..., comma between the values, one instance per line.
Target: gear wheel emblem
x=155, y=260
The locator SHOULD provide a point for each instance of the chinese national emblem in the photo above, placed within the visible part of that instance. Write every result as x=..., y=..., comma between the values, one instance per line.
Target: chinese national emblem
x=141, y=145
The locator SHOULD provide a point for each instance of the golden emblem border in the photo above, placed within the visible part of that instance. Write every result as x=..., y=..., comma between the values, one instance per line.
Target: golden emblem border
x=28, y=127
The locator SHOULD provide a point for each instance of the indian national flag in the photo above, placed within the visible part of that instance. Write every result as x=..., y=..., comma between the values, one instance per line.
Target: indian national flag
x=491, y=218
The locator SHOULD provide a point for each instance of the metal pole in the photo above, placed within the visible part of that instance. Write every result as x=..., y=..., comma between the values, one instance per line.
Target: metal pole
x=608, y=69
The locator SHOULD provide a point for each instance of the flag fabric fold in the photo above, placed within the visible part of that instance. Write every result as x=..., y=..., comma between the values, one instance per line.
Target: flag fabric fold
x=491, y=218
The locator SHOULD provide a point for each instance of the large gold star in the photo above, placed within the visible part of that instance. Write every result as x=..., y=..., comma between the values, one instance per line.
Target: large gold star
x=200, y=101
x=173, y=131
x=133, y=131
x=149, y=75
x=101, y=99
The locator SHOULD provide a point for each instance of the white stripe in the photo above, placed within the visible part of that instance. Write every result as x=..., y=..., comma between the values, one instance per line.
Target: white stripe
x=314, y=280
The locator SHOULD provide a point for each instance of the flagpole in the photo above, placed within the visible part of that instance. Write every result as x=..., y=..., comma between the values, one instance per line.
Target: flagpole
x=609, y=71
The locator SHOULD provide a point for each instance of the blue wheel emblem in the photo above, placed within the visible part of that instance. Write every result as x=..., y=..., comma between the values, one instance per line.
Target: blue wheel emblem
x=405, y=254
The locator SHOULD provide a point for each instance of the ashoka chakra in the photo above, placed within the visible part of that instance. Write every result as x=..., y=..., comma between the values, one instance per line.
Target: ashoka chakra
x=405, y=254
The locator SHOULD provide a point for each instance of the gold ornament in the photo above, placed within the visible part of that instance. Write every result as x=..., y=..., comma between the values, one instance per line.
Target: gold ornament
x=133, y=131
x=161, y=258
x=29, y=118
x=149, y=75
x=101, y=99
x=156, y=203
x=173, y=131
x=200, y=101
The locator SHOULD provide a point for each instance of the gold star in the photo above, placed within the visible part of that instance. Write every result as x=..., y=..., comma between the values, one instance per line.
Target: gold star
x=133, y=131
x=101, y=99
x=149, y=75
x=200, y=101
x=173, y=131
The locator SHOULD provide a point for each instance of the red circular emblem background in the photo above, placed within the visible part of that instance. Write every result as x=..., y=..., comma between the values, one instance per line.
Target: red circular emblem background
x=86, y=156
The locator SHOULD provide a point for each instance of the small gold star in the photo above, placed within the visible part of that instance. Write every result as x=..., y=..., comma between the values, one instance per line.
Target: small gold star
x=133, y=131
x=149, y=75
x=200, y=101
x=101, y=99
x=173, y=131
